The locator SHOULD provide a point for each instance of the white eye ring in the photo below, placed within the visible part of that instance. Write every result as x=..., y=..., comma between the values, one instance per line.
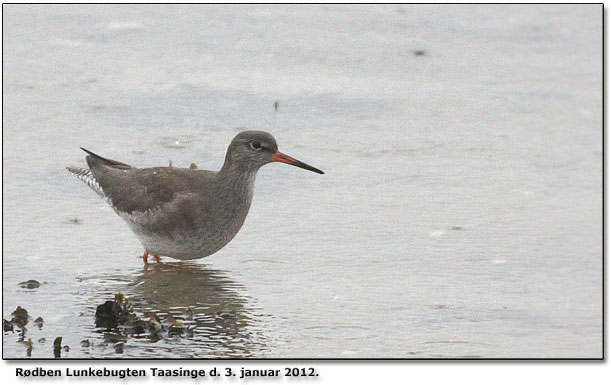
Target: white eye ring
x=256, y=145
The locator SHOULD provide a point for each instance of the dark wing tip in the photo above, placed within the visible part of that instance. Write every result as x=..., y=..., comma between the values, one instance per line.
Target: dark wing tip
x=89, y=152
x=93, y=157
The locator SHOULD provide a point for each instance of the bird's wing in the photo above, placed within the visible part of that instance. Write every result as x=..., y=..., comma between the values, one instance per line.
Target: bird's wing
x=95, y=159
x=131, y=189
x=86, y=174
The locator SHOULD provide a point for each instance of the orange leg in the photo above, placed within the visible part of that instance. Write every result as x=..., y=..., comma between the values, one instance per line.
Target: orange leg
x=145, y=257
x=156, y=258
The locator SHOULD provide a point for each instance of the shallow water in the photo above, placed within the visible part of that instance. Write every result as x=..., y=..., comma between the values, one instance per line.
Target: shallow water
x=460, y=213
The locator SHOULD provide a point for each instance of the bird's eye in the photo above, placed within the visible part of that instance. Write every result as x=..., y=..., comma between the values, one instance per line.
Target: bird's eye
x=256, y=145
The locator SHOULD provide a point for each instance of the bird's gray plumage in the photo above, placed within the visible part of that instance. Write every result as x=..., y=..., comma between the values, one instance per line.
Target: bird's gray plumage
x=178, y=212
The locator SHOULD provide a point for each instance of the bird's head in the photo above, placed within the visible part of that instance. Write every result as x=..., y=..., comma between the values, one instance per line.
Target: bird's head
x=251, y=150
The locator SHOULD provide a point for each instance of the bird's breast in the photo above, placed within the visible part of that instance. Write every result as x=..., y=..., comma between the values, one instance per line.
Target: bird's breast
x=196, y=226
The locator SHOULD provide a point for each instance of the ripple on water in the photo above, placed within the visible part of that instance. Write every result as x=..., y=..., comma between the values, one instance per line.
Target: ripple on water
x=216, y=319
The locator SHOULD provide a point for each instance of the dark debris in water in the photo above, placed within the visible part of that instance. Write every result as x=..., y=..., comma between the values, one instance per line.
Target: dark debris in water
x=57, y=347
x=30, y=345
x=419, y=52
x=39, y=322
x=121, y=322
x=118, y=322
x=20, y=317
x=7, y=326
x=29, y=284
x=176, y=329
x=110, y=314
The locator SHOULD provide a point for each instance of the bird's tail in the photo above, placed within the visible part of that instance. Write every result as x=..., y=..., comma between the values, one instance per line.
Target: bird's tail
x=87, y=176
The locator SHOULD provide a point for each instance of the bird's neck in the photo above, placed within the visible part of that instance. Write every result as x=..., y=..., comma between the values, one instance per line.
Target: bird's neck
x=238, y=178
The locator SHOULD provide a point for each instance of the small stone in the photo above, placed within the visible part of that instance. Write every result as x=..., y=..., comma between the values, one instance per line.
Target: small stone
x=7, y=326
x=30, y=284
x=38, y=322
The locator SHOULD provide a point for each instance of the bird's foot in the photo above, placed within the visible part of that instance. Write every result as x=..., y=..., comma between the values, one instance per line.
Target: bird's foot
x=168, y=266
x=158, y=262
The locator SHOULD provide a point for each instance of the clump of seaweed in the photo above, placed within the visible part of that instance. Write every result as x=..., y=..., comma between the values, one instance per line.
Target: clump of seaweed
x=118, y=315
x=120, y=321
x=116, y=318
x=7, y=326
x=112, y=313
x=57, y=347
x=29, y=346
x=20, y=318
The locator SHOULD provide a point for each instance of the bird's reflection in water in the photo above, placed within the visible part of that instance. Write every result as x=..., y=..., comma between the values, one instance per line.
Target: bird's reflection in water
x=217, y=318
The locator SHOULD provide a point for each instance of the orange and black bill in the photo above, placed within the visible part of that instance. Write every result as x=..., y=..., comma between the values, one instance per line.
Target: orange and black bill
x=280, y=157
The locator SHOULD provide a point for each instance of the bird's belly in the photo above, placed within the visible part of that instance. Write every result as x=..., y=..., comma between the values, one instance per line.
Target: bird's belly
x=184, y=241
x=183, y=246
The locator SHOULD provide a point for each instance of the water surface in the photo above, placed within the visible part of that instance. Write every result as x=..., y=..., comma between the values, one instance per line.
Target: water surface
x=460, y=212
